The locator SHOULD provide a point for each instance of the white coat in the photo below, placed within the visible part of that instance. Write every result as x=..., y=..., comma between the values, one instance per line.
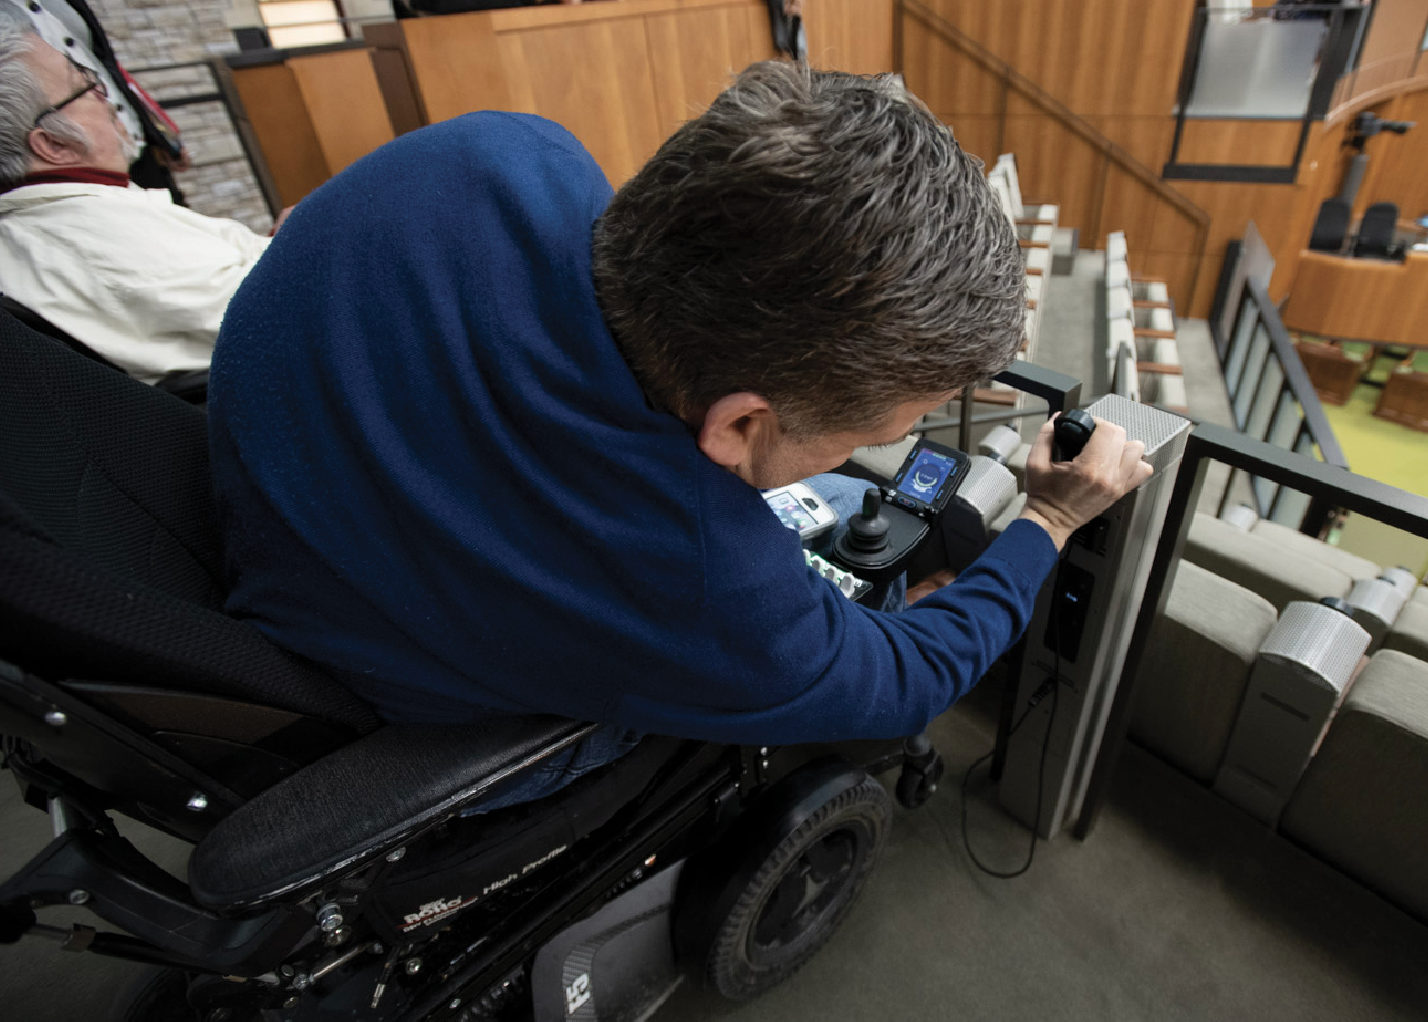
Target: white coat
x=141, y=281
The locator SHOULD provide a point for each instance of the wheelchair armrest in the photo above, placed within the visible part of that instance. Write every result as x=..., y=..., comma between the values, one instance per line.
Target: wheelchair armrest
x=363, y=800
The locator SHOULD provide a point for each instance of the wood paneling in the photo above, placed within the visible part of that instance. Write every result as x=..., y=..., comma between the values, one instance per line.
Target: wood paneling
x=621, y=77
x=979, y=136
x=1128, y=205
x=455, y=65
x=1095, y=56
x=284, y=130
x=1247, y=143
x=1060, y=159
x=596, y=79
x=949, y=82
x=1057, y=165
x=1146, y=138
x=696, y=54
x=849, y=35
x=1396, y=32
x=1361, y=299
x=344, y=104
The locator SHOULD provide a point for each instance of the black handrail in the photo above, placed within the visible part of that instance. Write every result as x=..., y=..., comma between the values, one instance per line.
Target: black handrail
x=1246, y=373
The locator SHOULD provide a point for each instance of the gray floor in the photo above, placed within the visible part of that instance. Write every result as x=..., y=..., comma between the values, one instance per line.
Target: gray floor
x=1177, y=906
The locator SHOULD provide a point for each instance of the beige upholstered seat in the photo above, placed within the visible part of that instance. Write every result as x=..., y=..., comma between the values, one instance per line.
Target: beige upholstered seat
x=1363, y=802
x=1196, y=669
x=1352, y=565
x=1260, y=564
x=1409, y=633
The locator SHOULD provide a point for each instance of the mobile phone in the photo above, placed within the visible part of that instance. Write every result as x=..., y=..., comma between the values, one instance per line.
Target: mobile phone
x=927, y=479
x=801, y=510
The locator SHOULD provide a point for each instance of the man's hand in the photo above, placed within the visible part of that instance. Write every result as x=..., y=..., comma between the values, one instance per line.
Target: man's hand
x=1063, y=496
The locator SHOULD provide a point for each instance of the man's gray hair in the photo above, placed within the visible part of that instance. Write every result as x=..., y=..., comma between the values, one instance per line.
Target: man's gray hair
x=815, y=237
x=22, y=98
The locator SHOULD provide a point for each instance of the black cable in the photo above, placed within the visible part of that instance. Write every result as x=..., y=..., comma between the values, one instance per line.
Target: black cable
x=1055, y=682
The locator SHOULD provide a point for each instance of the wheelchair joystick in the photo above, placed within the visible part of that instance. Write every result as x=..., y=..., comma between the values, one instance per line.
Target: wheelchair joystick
x=1070, y=434
x=868, y=530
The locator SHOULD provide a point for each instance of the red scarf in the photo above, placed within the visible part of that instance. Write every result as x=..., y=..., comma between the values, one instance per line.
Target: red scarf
x=79, y=175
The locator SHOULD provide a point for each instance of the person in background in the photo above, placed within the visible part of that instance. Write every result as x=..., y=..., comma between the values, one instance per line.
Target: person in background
x=136, y=278
x=73, y=29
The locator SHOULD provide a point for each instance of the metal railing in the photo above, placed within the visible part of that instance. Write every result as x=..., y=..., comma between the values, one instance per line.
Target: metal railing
x=1271, y=396
x=1320, y=483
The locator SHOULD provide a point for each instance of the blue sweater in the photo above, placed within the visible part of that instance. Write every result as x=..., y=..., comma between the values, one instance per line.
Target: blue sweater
x=441, y=482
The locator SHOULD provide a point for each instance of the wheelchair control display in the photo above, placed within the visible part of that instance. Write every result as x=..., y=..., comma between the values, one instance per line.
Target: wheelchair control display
x=927, y=479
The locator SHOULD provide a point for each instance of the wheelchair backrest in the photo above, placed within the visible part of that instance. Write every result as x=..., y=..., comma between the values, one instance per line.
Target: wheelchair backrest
x=111, y=563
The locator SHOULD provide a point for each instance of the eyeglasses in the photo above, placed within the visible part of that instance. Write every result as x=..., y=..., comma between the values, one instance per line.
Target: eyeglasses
x=92, y=83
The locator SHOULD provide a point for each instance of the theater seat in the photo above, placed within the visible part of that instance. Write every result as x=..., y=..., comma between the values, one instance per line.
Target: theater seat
x=1261, y=565
x=1194, y=676
x=1363, y=802
x=1409, y=633
x=1352, y=565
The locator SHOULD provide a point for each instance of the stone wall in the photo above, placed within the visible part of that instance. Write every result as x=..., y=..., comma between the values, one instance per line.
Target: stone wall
x=151, y=33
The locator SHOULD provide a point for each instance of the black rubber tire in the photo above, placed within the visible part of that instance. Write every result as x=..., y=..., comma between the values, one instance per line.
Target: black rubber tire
x=157, y=994
x=160, y=994
x=837, y=845
x=915, y=787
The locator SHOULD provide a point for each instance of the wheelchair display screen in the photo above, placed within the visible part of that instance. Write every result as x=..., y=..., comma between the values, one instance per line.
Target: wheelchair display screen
x=928, y=478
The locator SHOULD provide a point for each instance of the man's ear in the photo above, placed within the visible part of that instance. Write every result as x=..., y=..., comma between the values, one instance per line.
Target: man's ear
x=733, y=427
x=52, y=151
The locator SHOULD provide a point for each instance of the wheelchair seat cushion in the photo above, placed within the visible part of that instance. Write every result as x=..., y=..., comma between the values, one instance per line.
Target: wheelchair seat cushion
x=363, y=799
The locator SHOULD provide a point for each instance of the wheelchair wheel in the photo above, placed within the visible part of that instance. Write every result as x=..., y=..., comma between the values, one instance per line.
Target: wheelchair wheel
x=789, y=903
x=160, y=994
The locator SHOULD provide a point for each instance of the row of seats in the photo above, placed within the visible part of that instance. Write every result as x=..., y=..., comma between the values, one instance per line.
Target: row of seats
x=1374, y=238
x=1142, y=357
x=1333, y=754
x=1035, y=225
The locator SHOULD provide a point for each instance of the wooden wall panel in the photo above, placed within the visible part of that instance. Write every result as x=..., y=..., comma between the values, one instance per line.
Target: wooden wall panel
x=695, y=55
x=1128, y=205
x=849, y=35
x=979, y=136
x=1146, y=138
x=285, y=133
x=1095, y=56
x=455, y=65
x=1395, y=33
x=947, y=81
x=1056, y=165
x=1230, y=206
x=344, y=103
x=596, y=80
x=1250, y=143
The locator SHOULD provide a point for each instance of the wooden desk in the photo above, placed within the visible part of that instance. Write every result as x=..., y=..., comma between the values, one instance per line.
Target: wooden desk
x=1375, y=300
x=311, y=113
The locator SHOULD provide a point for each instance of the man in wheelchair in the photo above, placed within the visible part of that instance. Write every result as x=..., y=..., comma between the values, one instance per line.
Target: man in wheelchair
x=488, y=447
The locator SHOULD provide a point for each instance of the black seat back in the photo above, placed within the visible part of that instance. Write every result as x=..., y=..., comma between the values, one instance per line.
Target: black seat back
x=1331, y=226
x=110, y=558
x=1376, y=230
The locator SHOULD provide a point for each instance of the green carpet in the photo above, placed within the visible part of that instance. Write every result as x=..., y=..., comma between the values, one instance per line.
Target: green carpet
x=1378, y=448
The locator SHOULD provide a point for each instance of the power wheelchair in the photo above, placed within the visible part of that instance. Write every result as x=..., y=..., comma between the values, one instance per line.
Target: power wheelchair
x=334, y=872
